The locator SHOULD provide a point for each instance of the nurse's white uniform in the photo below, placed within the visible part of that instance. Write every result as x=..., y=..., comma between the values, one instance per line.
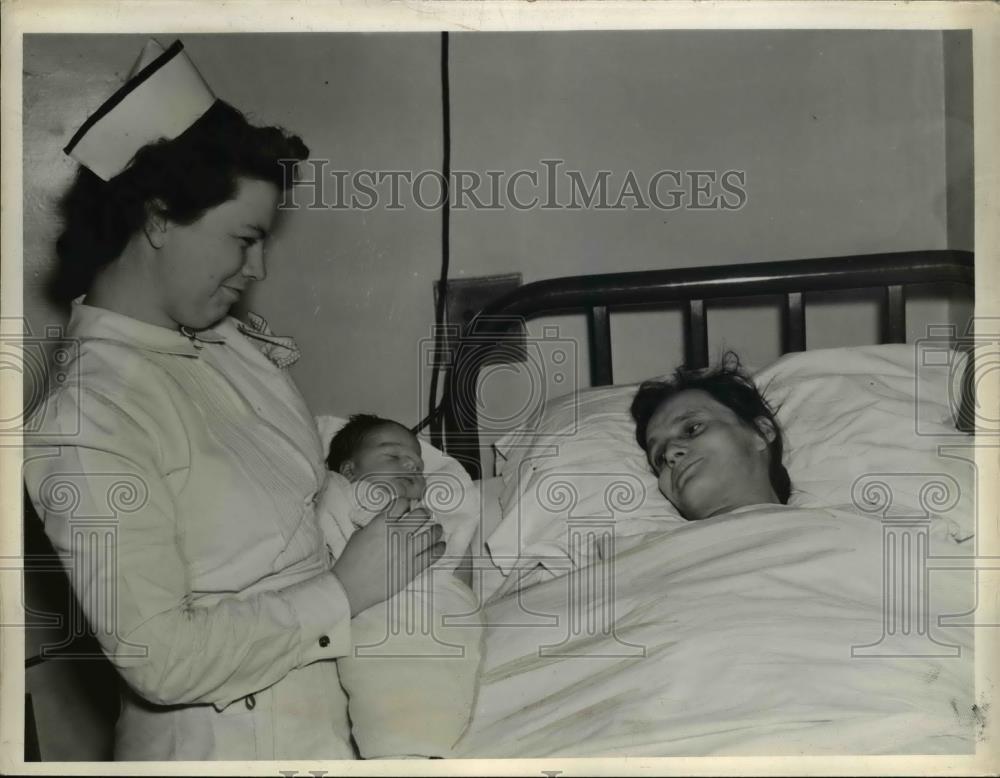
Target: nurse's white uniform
x=179, y=477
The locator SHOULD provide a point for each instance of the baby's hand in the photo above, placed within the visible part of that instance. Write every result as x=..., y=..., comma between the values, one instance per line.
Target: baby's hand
x=376, y=491
x=410, y=485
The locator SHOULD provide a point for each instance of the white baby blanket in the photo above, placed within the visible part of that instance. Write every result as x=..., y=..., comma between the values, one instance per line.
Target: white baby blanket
x=412, y=675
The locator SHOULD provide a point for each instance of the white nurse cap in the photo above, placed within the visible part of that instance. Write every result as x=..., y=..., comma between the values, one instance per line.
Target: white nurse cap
x=163, y=96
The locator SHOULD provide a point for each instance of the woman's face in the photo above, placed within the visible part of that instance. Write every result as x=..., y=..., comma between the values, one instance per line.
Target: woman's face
x=202, y=269
x=706, y=459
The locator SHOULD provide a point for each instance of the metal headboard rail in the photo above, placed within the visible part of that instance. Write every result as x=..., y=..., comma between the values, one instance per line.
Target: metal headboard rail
x=497, y=327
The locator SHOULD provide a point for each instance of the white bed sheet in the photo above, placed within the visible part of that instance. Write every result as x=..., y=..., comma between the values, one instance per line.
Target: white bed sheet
x=732, y=636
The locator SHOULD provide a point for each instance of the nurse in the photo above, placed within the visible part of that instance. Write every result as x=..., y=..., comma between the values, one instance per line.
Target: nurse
x=178, y=469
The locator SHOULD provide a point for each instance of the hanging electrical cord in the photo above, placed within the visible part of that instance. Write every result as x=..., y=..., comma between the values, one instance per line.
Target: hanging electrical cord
x=441, y=310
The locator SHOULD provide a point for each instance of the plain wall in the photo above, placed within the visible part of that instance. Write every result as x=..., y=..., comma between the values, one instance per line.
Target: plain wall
x=841, y=134
x=851, y=141
x=958, y=137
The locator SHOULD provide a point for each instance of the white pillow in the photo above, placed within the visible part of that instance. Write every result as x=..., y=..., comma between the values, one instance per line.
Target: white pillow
x=865, y=426
x=580, y=472
x=846, y=413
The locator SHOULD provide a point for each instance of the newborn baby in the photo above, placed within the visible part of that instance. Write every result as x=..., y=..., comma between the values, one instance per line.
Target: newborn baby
x=369, y=444
x=412, y=675
x=375, y=464
x=382, y=459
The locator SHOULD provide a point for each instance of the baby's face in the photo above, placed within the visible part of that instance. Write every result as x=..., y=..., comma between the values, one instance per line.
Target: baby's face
x=390, y=450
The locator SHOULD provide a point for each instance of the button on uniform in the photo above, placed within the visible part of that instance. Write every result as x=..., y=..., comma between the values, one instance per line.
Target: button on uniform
x=324, y=641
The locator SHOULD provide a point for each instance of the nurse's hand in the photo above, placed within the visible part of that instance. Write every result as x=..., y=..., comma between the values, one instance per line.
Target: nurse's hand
x=376, y=490
x=384, y=556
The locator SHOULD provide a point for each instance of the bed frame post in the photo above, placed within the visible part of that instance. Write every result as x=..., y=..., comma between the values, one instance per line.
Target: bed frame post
x=599, y=328
x=488, y=338
x=894, y=328
x=965, y=420
x=695, y=334
x=793, y=321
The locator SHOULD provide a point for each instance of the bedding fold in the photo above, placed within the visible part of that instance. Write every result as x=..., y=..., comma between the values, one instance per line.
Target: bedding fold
x=769, y=630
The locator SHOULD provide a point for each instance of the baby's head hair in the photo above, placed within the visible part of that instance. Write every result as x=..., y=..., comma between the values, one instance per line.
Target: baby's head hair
x=352, y=435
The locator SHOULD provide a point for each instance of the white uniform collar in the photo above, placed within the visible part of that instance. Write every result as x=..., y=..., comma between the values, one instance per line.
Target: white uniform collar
x=90, y=322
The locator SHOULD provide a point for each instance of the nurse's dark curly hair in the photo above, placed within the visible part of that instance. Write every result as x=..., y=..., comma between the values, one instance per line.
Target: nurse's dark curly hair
x=180, y=178
x=728, y=384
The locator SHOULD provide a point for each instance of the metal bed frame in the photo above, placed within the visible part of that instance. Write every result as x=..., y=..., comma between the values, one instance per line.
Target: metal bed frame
x=498, y=328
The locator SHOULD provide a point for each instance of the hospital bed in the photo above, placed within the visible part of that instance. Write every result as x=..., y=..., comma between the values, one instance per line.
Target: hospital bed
x=613, y=627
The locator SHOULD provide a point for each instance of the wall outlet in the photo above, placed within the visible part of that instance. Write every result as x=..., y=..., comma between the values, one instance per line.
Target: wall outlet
x=468, y=296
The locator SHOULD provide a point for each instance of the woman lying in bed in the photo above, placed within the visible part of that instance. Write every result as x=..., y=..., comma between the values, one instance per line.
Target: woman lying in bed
x=765, y=630
x=712, y=440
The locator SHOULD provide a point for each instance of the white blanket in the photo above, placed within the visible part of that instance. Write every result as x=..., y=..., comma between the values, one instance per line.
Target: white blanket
x=411, y=678
x=732, y=636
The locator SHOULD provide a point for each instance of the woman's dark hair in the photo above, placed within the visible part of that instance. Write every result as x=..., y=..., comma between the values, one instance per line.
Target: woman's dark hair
x=729, y=385
x=181, y=178
x=352, y=435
